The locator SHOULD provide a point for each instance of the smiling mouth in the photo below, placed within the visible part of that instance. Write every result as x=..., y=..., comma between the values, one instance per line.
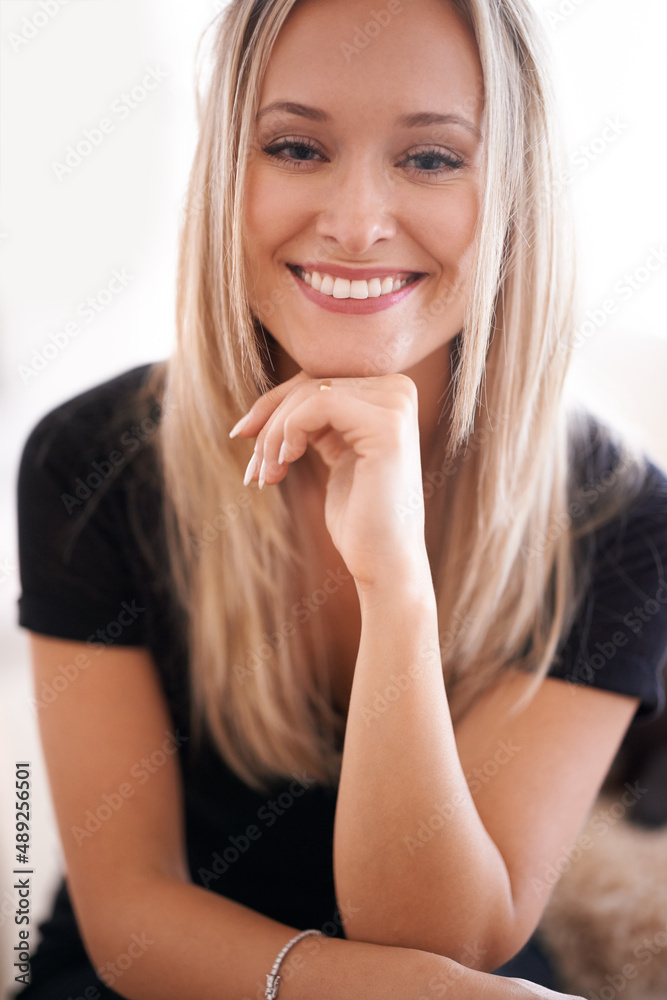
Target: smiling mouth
x=345, y=288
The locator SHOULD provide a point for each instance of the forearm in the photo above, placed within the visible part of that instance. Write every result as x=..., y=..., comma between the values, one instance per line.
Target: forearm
x=447, y=891
x=196, y=943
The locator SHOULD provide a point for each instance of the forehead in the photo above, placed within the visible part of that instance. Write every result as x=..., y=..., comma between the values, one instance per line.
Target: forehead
x=409, y=55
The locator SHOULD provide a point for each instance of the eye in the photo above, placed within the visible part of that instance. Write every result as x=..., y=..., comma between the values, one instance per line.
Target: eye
x=435, y=162
x=296, y=151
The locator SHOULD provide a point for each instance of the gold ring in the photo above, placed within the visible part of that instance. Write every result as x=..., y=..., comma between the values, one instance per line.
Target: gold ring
x=326, y=384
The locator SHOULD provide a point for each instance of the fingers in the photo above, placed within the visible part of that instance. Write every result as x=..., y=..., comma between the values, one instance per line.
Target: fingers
x=250, y=424
x=340, y=414
x=333, y=422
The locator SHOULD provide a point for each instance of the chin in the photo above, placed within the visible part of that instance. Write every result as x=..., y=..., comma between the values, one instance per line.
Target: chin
x=340, y=368
x=353, y=361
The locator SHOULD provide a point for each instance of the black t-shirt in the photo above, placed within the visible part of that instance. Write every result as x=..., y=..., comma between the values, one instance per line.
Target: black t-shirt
x=87, y=491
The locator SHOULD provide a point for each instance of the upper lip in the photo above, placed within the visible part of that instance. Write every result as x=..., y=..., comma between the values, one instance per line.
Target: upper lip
x=356, y=273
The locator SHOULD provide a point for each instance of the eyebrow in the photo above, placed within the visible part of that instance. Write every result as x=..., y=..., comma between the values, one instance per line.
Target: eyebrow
x=414, y=120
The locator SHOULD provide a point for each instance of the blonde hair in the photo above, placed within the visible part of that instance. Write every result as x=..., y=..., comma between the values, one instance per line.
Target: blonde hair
x=508, y=571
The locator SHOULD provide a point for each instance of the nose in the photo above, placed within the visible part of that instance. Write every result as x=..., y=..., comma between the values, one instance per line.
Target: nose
x=357, y=213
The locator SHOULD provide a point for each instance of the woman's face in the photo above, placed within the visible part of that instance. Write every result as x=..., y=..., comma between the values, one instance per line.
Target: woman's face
x=370, y=177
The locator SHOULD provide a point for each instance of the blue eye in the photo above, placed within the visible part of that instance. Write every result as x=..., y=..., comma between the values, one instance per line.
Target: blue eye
x=303, y=155
x=433, y=157
x=295, y=152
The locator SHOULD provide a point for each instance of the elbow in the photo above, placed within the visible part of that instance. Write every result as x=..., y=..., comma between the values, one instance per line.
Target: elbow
x=117, y=964
x=93, y=933
x=113, y=953
x=474, y=946
x=510, y=937
x=476, y=950
x=514, y=924
x=495, y=958
x=479, y=951
x=505, y=936
x=111, y=938
x=482, y=935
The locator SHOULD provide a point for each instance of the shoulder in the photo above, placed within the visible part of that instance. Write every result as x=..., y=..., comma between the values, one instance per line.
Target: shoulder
x=84, y=423
x=615, y=488
x=612, y=473
x=80, y=547
x=85, y=456
x=618, y=638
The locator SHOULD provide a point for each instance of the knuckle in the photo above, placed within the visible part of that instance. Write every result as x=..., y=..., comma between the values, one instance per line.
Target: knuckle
x=287, y=432
x=395, y=426
x=404, y=406
x=409, y=406
x=302, y=390
x=405, y=393
x=405, y=384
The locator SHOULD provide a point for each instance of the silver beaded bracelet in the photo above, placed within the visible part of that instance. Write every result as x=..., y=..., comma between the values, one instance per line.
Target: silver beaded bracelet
x=273, y=978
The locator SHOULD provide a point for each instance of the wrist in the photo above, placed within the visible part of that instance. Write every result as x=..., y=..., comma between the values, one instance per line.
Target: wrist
x=404, y=583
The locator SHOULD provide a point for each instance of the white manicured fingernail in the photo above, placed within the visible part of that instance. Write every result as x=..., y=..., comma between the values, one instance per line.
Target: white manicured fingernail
x=238, y=426
x=281, y=454
x=250, y=471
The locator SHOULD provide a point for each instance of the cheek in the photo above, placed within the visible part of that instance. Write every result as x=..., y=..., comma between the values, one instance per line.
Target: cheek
x=448, y=228
x=464, y=226
x=256, y=215
x=271, y=214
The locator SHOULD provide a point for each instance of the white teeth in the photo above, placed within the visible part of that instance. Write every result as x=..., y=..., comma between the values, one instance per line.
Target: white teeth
x=343, y=288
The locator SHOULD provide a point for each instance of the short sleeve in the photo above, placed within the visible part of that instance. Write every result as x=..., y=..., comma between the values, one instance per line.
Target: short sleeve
x=76, y=580
x=619, y=639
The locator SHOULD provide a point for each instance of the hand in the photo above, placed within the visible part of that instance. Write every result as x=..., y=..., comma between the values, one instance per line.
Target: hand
x=367, y=433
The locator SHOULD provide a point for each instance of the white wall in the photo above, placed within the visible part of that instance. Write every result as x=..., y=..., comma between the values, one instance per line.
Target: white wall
x=60, y=241
x=609, y=55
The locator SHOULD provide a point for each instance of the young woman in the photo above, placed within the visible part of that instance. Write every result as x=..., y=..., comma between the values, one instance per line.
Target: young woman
x=338, y=668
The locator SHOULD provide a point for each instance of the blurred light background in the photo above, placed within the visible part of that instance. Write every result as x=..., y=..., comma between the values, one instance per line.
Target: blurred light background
x=63, y=69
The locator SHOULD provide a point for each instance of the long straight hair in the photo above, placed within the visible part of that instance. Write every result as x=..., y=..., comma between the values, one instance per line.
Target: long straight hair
x=504, y=548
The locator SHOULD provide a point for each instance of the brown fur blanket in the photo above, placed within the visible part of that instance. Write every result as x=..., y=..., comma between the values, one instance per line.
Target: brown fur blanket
x=605, y=925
